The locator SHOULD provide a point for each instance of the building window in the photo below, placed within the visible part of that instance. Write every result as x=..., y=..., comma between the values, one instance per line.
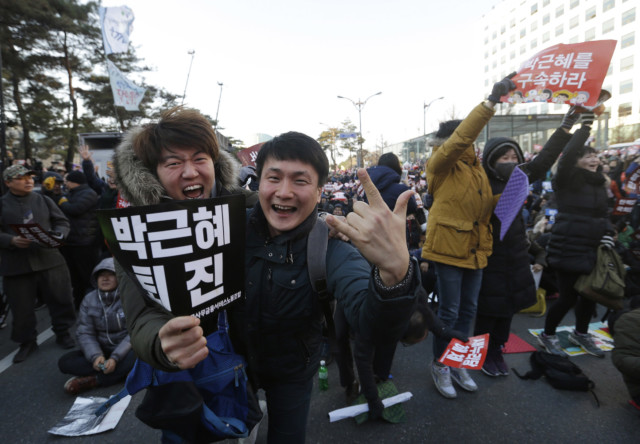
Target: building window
x=512, y=23
x=494, y=35
x=503, y=44
x=609, y=72
x=624, y=110
x=628, y=40
x=574, y=22
x=493, y=50
x=629, y=16
x=486, y=83
x=559, y=11
x=523, y=32
x=534, y=8
x=559, y=30
x=502, y=29
x=545, y=37
x=502, y=60
x=512, y=39
x=626, y=63
x=590, y=34
x=486, y=68
x=545, y=19
x=534, y=43
x=534, y=26
x=512, y=55
x=608, y=4
x=626, y=86
x=574, y=39
x=591, y=13
x=545, y=2
x=607, y=26
x=494, y=64
x=523, y=49
x=573, y=3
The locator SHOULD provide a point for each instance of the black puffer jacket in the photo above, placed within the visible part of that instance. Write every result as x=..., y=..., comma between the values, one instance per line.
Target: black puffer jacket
x=81, y=210
x=582, y=217
x=507, y=281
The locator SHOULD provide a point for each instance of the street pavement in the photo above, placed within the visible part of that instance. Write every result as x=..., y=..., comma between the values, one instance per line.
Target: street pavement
x=504, y=410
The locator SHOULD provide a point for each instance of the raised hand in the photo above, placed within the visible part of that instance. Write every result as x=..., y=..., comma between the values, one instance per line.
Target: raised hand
x=183, y=342
x=502, y=88
x=378, y=232
x=84, y=152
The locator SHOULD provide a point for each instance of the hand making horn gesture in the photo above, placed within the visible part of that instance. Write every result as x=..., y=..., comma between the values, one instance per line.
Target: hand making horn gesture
x=378, y=232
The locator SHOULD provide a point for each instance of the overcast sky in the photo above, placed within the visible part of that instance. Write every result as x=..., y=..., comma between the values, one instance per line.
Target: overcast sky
x=283, y=62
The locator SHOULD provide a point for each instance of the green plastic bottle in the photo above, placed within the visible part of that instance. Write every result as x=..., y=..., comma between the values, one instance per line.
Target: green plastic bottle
x=323, y=377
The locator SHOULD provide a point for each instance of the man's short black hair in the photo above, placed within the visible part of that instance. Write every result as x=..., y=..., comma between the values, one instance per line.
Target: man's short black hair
x=295, y=146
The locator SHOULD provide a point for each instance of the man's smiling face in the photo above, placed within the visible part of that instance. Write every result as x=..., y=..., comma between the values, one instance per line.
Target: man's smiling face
x=186, y=173
x=288, y=193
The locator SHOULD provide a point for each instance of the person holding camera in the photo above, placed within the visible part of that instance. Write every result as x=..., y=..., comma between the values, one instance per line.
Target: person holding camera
x=105, y=356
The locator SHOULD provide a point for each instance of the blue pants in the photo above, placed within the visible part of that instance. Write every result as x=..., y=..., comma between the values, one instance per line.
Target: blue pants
x=458, y=290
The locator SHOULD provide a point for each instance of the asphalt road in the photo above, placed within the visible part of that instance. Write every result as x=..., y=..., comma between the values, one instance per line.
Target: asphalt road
x=504, y=410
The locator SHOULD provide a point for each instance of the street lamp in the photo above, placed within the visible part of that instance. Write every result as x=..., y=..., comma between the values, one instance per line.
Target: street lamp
x=359, y=105
x=218, y=110
x=192, y=54
x=424, y=118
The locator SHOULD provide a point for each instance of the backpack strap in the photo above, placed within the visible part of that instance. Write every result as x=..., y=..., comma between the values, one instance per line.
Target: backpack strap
x=317, y=243
x=230, y=427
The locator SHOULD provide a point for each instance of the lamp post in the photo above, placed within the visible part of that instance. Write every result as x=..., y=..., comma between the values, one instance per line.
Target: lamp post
x=218, y=110
x=424, y=118
x=192, y=54
x=359, y=105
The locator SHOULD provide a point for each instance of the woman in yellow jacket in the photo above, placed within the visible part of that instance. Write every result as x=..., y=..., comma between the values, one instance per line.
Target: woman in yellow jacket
x=458, y=238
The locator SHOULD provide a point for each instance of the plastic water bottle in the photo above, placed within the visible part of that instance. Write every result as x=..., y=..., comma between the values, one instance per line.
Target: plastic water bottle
x=323, y=377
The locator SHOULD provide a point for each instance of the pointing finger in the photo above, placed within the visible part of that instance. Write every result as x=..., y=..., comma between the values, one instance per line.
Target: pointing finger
x=372, y=193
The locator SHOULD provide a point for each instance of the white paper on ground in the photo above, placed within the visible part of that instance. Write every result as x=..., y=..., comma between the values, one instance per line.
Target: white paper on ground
x=81, y=420
x=355, y=410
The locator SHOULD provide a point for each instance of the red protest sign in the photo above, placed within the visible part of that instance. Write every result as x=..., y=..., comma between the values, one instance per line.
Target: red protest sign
x=469, y=355
x=249, y=155
x=571, y=74
x=623, y=207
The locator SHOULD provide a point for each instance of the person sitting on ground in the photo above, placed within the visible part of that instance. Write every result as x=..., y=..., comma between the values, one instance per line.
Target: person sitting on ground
x=105, y=357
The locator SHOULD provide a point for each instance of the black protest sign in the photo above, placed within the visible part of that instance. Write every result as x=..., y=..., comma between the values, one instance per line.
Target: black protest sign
x=187, y=256
x=35, y=233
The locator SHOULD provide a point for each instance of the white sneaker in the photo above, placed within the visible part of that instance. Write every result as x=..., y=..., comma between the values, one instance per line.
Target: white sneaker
x=462, y=378
x=442, y=378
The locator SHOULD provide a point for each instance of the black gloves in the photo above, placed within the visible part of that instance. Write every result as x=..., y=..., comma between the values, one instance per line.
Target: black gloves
x=501, y=88
x=570, y=118
x=437, y=327
x=375, y=409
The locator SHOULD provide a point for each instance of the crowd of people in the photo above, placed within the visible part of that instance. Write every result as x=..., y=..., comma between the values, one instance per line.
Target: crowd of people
x=414, y=248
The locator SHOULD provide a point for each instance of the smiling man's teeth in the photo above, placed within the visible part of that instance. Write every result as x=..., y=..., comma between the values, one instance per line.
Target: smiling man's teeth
x=193, y=187
x=281, y=208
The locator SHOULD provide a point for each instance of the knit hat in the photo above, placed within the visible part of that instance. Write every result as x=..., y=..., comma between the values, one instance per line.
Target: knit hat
x=76, y=177
x=390, y=160
x=16, y=171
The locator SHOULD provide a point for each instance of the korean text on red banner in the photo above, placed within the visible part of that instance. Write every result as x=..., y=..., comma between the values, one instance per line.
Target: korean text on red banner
x=469, y=355
x=35, y=233
x=187, y=256
x=571, y=74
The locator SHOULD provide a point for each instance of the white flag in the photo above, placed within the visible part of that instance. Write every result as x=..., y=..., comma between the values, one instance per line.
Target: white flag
x=117, y=24
x=125, y=92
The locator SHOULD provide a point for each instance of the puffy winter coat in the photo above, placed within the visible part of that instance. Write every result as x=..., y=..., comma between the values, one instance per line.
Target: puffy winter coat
x=81, y=208
x=102, y=329
x=582, y=217
x=388, y=183
x=283, y=314
x=507, y=281
x=458, y=228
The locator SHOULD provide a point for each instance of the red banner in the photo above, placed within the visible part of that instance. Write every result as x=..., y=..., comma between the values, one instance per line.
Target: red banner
x=623, y=206
x=469, y=355
x=571, y=74
x=248, y=155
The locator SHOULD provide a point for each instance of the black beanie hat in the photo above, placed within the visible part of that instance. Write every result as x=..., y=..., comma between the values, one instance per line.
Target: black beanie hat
x=390, y=160
x=76, y=177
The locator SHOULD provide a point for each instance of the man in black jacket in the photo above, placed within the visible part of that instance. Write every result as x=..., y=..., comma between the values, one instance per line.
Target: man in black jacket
x=29, y=268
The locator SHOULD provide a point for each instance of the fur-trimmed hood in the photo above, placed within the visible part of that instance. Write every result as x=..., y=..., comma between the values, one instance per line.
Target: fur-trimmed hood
x=140, y=186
